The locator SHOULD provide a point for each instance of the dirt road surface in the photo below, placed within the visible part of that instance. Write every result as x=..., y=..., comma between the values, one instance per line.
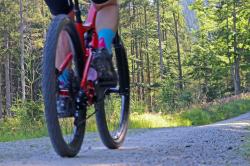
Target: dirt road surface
x=216, y=144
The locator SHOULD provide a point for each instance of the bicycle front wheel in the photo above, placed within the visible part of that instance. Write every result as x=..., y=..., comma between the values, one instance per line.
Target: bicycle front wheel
x=112, y=107
x=66, y=132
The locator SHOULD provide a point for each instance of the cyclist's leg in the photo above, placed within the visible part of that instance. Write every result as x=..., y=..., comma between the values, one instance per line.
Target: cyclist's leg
x=63, y=48
x=106, y=26
x=61, y=7
x=107, y=15
x=107, y=20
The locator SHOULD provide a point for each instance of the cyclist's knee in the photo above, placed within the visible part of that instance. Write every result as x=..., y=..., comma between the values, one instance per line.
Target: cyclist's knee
x=99, y=4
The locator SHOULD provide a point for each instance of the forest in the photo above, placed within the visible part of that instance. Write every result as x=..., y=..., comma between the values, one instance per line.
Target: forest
x=181, y=53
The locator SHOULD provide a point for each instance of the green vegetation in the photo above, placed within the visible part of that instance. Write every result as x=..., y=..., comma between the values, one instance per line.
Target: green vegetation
x=147, y=120
x=245, y=148
x=28, y=121
x=192, y=116
x=201, y=116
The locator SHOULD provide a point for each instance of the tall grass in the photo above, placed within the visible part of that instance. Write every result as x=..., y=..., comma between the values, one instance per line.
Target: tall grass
x=214, y=113
x=245, y=147
x=194, y=116
x=28, y=120
x=12, y=129
x=149, y=120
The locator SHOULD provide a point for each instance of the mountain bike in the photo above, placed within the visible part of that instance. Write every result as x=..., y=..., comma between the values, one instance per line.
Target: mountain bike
x=111, y=105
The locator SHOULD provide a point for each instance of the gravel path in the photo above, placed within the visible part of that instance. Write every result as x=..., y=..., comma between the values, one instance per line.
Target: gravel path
x=216, y=144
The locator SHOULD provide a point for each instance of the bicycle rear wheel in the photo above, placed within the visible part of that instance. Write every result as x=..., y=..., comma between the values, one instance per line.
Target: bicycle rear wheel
x=112, y=106
x=66, y=132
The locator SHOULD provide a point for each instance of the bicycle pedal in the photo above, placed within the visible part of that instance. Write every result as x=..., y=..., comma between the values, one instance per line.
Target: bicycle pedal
x=107, y=84
x=65, y=114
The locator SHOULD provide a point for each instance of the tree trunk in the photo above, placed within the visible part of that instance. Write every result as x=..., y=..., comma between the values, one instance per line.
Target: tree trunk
x=22, y=51
x=228, y=53
x=236, y=55
x=149, y=97
x=7, y=76
x=136, y=43
x=178, y=52
x=142, y=97
x=142, y=73
x=137, y=67
x=159, y=37
x=131, y=46
x=1, y=100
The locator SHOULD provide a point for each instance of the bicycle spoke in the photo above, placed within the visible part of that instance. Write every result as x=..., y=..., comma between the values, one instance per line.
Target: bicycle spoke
x=113, y=90
x=67, y=63
x=112, y=109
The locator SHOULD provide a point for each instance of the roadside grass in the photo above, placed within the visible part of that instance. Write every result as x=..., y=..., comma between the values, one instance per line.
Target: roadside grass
x=150, y=120
x=27, y=122
x=194, y=116
x=245, y=147
x=21, y=128
x=214, y=113
x=11, y=129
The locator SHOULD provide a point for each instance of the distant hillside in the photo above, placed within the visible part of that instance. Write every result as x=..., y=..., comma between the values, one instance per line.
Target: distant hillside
x=190, y=16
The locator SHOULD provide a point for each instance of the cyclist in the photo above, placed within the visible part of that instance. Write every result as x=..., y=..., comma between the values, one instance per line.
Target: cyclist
x=106, y=27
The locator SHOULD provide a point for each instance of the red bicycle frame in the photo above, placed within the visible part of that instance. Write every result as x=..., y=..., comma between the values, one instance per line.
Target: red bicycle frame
x=89, y=75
